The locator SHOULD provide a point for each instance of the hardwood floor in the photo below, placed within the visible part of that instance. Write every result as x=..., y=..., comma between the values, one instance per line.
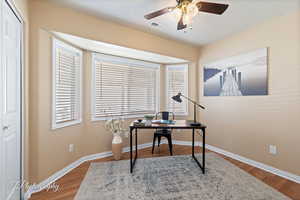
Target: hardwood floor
x=70, y=183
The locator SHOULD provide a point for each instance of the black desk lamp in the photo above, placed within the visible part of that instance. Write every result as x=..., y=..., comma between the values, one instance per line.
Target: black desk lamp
x=178, y=99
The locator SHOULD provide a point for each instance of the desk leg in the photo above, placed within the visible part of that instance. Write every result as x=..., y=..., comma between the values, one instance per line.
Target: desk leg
x=202, y=167
x=132, y=162
x=131, y=151
x=193, y=144
x=136, y=145
x=203, y=150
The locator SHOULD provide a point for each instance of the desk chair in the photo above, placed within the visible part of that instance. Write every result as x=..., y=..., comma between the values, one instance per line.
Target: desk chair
x=163, y=132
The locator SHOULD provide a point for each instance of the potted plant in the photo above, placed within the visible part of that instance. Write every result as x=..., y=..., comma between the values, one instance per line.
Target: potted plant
x=117, y=127
x=148, y=119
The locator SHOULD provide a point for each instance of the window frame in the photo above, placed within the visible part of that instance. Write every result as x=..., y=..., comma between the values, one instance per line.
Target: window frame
x=126, y=62
x=186, y=86
x=56, y=43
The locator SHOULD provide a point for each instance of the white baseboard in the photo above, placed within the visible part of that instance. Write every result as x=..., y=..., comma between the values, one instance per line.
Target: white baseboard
x=44, y=184
x=268, y=168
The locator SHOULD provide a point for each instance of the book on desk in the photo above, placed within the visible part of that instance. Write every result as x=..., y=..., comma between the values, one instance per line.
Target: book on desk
x=163, y=121
x=142, y=123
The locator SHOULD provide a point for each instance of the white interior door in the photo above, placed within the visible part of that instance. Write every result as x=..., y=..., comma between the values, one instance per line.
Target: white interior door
x=11, y=104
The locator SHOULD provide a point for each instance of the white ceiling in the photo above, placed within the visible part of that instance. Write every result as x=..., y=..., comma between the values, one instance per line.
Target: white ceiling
x=207, y=28
x=105, y=48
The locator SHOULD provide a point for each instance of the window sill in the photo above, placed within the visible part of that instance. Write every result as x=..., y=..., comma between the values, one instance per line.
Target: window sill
x=66, y=124
x=95, y=119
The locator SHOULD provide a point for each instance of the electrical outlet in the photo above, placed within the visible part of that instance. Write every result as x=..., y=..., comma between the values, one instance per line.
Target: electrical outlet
x=272, y=149
x=71, y=147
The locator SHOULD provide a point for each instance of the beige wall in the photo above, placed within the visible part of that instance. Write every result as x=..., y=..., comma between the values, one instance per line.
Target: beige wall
x=49, y=149
x=242, y=125
x=247, y=125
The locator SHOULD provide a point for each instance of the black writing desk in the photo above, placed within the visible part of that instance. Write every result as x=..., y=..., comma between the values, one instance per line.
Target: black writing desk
x=179, y=124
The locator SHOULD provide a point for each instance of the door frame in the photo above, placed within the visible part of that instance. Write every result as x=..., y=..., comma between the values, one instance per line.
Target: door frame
x=20, y=18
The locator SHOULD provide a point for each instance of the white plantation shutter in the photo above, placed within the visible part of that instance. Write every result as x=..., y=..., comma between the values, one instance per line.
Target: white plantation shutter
x=67, y=64
x=123, y=86
x=177, y=81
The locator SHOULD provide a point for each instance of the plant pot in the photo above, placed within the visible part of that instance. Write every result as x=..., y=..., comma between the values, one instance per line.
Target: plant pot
x=148, y=122
x=117, y=147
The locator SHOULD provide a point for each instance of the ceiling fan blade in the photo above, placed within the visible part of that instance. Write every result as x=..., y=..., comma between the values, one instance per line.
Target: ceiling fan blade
x=180, y=24
x=214, y=8
x=159, y=12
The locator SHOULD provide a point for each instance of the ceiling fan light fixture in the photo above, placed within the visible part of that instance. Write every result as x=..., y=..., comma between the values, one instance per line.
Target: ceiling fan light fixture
x=186, y=10
x=187, y=19
x=189, y=10
x=192, y=10
x=177, y=13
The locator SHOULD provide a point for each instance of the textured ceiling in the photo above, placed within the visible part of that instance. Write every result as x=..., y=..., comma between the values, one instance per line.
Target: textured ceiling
x=207, y=28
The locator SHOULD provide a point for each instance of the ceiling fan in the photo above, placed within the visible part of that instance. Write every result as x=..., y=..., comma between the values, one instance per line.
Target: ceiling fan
x=187, y=9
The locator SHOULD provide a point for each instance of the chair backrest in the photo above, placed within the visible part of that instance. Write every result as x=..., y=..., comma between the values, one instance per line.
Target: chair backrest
x=165, y=115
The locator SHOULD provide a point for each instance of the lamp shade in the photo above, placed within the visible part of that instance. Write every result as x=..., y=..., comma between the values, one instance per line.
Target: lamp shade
x=177, y=98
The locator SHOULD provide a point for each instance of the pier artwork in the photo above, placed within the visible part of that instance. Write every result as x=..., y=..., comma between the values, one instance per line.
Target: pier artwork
x=242, y=75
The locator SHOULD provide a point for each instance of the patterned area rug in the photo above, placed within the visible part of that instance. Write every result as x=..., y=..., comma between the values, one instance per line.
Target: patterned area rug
x=173, y=178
